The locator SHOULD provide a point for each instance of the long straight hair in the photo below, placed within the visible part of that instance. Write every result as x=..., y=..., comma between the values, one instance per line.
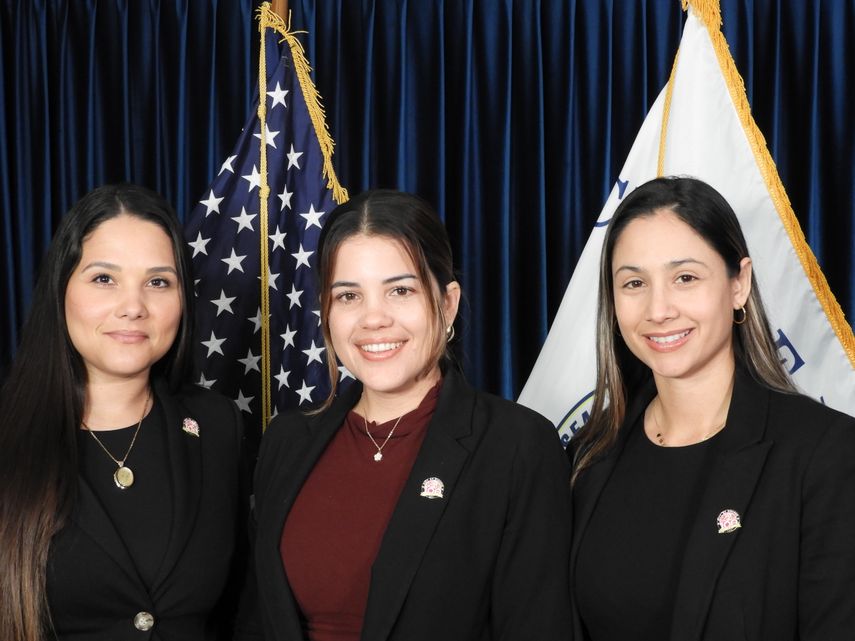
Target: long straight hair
x=41, y=405
x=405, y=219
x=619, y=372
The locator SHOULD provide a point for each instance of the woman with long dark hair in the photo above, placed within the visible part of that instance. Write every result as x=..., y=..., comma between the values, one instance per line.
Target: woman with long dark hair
x=410, y=507
x=118, y=481
x=711, y=500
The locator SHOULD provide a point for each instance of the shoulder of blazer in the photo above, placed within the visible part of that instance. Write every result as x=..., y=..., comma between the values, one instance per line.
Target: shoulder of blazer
x=207, y=407
x=296, y=428
x=803, y=421
x=297, y=422
x=473, y=415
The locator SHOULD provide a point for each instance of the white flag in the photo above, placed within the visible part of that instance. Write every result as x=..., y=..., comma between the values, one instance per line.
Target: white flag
x=708, y=133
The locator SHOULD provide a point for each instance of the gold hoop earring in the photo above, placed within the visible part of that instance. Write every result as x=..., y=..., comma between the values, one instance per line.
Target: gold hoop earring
x=736, y=314
x=449, y=333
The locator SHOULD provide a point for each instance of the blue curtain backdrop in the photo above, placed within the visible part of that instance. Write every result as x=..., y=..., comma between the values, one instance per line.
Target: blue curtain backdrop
x=512, y=116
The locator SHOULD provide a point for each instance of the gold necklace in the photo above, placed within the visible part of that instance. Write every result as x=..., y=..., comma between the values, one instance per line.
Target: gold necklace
x=379, y=455
x=123, y=476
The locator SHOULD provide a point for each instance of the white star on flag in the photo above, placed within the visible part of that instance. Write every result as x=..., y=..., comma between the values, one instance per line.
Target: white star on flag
x=270, y=136
x=204, y=382
x=243, y=402
x=250, y=362
x=305, y=393
x=288, y=336
x=285, y=197
x=313, y=217
x=282, y=378
x=214, y=345
x=278, y=238
x=224, y=303
x=254, y=179
x=199, y=244
x=256, y=321
x=244, y=221
x=294, y=296
x=271, y=279
x=314, y=353
x=293, y=157
x=278, y=96
x=234, y=262
x=302, y=257
x=212, y=204
x=227, y=165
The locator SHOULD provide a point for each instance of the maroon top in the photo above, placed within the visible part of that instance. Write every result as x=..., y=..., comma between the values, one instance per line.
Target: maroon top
x=334, y=529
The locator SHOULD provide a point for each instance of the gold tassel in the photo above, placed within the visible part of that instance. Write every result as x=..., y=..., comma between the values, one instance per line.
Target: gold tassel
x=268, y=18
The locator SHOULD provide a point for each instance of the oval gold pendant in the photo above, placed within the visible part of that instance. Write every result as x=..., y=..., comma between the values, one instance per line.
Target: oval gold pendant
x=123, y=477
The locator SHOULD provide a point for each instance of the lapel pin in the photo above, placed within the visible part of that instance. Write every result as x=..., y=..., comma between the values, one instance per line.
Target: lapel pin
x=432, y=488
x=191, y=427
x=728, y=521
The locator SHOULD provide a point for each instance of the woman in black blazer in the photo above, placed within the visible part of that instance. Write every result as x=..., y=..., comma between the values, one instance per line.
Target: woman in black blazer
x=410, y=507
x=118, y=482
x=711, y=500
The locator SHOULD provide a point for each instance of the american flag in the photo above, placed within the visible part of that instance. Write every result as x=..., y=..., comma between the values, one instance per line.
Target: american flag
x=223, y=234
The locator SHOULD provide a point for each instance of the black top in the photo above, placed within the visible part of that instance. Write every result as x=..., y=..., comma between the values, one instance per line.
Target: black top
x=630, y=556
x=140, y=511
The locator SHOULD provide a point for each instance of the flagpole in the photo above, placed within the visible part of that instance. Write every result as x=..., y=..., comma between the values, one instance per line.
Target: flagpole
x=280, y=8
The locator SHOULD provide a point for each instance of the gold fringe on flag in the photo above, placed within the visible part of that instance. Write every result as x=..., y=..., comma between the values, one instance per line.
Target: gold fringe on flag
x=709, y=12
x=666, y=113
x=268, y=19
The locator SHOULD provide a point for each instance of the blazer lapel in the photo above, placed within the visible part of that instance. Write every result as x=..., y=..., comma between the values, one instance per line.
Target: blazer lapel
x=89, y=515
x=184, y=453
x=740, y=456
x=292, y=467
x=415, y=518
x=591, y=484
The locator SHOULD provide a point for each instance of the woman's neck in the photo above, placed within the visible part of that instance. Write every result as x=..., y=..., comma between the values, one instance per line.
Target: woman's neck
x=381, y=406
x=112, y=405
x=689, y=411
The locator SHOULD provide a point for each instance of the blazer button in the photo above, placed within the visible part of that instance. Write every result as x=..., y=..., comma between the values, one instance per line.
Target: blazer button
x=144, y=621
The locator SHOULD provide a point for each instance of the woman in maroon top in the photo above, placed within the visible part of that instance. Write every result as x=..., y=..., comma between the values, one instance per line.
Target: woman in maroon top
x=410, y=506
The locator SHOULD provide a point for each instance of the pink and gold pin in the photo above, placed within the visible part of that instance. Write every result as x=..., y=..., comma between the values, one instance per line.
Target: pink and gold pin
x=432, y=488
x=728, y=521
x=191, y=427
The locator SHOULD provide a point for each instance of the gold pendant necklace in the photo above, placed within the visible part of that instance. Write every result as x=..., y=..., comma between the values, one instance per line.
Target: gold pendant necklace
x=123, y=477
x=379, y=455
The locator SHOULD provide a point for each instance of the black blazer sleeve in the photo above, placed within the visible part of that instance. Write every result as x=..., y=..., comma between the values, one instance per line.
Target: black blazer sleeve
x=827, y=552
x=530, y=586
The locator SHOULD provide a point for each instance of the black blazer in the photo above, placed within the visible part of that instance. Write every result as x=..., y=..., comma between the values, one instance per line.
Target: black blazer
x=94, y=588
x=786, y=465
x=487, y=561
